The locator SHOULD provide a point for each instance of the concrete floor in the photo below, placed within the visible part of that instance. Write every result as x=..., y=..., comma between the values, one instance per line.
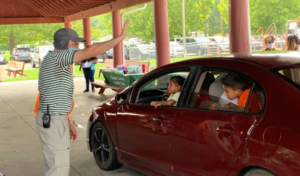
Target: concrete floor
x=20, y=149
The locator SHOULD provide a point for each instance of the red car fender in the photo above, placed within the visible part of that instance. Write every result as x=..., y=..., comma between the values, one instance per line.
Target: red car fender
x=245, y=160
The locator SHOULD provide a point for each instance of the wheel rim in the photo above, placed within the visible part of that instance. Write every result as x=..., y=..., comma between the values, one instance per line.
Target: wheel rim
x=199, y=52
x=101, y=146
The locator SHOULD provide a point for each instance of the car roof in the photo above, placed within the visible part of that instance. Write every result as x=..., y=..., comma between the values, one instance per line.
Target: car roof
x=267, y=60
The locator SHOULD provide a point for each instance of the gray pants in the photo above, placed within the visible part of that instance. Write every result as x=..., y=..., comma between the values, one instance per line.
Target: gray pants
x=55, y=143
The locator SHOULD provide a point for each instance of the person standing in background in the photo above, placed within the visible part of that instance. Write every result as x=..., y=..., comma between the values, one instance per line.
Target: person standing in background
x=292, y=43
x=88, y=67
x=270, y=43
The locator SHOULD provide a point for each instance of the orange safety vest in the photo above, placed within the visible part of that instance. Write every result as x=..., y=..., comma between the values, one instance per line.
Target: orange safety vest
x=38, y=102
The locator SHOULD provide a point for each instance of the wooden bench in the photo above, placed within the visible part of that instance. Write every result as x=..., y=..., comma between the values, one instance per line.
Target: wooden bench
x=102, y=85
x=10, y=64
x=108, y=63
x=15, y=67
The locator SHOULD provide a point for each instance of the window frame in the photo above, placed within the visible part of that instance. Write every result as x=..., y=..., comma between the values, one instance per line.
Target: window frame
x=202, y=69
x=187, y=68
x=276, y=72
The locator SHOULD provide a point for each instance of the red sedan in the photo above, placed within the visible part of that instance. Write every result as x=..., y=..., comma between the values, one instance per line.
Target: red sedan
x=207, y=132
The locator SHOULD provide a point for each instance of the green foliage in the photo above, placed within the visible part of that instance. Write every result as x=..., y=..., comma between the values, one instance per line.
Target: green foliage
x=223, y=8
x=33, y=34
x=196, y=12
x=263, y=13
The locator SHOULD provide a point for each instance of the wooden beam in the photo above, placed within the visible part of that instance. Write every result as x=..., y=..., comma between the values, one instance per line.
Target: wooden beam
x=36, y=20
x=114, y=6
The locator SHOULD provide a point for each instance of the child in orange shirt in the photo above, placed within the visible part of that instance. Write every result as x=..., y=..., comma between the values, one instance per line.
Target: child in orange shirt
x=235, y=87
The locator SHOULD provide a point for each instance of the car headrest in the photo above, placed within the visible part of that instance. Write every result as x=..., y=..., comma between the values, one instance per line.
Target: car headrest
x=216, y=90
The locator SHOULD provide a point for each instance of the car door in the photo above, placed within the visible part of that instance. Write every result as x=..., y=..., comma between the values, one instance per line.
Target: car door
x=189, y=45
x=206, y=141
x=144, y=132
x=193, y=46
x=35, y=55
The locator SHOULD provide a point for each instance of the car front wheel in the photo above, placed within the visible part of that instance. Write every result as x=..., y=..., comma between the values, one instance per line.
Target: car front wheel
x=32, y=64
x=199, y=52
x=258, y=172
x=103, y=148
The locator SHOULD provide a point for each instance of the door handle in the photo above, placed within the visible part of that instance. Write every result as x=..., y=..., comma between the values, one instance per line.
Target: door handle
x=229, y=131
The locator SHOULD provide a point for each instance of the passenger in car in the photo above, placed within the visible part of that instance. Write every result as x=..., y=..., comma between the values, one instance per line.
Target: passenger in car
x=235, y=87
x=174, y=88
x=203, y=93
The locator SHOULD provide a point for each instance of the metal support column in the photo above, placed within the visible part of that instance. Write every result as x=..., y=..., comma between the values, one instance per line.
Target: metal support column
x=117, y=29
x=161, y=32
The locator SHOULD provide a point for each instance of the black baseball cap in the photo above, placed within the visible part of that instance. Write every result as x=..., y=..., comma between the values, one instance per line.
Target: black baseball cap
x=63, y=35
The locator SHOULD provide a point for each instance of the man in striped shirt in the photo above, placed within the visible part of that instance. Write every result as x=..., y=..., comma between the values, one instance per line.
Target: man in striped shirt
x=56, y=90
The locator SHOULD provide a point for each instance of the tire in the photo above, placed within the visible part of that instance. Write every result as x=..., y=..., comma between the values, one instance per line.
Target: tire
x=199, y=52
x=40, y=63
x=258, y=172
x=32, y=64
x=103, y=148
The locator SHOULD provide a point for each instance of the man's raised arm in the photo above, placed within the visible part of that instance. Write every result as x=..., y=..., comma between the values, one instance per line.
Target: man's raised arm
x=99, y=48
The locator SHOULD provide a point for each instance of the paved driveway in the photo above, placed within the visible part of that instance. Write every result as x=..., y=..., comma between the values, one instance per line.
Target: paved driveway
x=20, y=150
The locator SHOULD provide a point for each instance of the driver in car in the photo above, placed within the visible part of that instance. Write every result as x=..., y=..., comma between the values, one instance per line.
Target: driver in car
x=174, y=88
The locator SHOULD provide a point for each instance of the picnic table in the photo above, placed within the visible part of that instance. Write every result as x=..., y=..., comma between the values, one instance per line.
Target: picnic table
x=116, y=81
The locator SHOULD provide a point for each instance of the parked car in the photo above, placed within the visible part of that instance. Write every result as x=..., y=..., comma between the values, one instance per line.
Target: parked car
x=223, y=43
x=176, y=49
x=2, y=58
x=199, y=45
x=175, y=40
x=257, y=44
x=142, y=51
x=191, y=139
x=110, y=53
x=37, y=56
x=20, y=54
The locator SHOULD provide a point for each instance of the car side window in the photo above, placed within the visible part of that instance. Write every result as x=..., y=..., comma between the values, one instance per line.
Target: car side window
x=156, y=89
x=193, y=41
x=227, y=91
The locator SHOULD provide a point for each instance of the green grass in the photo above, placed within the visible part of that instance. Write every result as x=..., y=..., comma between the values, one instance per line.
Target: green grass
x=6, y=54
x=33, y=74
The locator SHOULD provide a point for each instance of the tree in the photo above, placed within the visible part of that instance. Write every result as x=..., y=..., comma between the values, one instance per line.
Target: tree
x=197, y=11
x=263, y=13
x=12, y=35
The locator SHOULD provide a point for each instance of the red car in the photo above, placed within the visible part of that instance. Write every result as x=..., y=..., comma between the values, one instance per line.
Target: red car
x=201, y=135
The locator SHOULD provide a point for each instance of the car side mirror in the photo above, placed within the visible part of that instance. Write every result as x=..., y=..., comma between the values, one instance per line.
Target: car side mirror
x=121, y=98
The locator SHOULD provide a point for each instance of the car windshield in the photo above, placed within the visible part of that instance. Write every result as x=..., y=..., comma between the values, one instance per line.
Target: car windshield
x=221, y=39
x=292, y=74
x=22, y=50
x=202, y=40
x=145, y=47
x=45, y=49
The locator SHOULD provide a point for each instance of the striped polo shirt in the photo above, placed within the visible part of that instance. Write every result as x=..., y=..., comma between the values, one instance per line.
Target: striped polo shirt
x=56, y=82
